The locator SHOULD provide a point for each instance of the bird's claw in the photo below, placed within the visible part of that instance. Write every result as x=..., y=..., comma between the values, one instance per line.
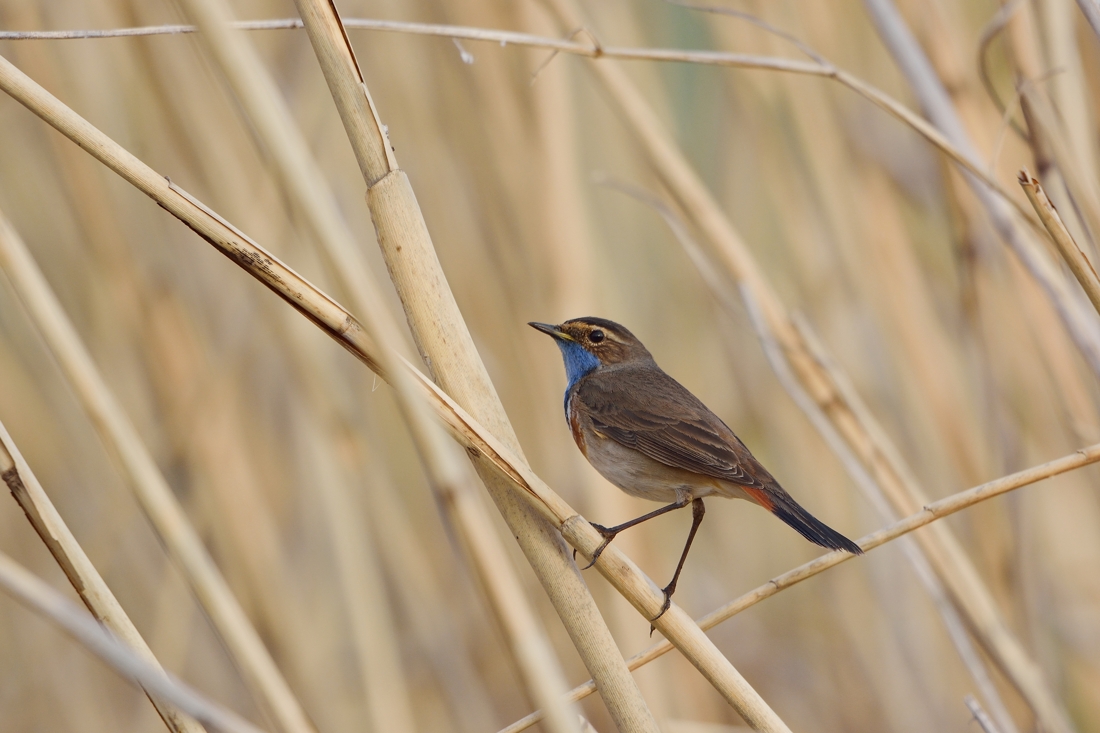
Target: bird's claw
x=664, y=607
x=607, y=535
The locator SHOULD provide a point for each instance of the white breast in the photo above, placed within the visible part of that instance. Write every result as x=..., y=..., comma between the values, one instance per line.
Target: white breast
x=641, y=476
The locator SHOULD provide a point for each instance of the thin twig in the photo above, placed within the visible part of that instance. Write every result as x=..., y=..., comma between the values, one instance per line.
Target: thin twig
x=980, y=715
x=595, y=51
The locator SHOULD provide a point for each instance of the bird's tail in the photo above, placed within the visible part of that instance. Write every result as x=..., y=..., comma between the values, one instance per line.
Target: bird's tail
x=781, y=504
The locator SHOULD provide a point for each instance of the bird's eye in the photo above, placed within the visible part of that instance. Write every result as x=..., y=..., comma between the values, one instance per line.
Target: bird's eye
x=596, y=336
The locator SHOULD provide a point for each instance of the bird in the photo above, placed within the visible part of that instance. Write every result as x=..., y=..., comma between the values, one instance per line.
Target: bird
x=648, y=435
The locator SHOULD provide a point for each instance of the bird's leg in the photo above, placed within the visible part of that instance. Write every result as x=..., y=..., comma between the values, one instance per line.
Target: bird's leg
x=609, y=533
x=697, y=511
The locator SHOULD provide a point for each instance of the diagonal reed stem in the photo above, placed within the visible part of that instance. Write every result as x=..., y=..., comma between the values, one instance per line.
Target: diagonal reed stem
x=334, y=320
x=131, y=664
x=151, y=489
x=61, y=543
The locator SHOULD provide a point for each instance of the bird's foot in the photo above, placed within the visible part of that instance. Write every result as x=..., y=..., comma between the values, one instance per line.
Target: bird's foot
x=668, y=591
x=607, y=535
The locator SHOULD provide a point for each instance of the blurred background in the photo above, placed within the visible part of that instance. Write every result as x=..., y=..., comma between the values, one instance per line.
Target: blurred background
x=270, y=434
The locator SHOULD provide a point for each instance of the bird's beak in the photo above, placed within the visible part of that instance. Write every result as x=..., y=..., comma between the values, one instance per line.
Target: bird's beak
x=550, y=330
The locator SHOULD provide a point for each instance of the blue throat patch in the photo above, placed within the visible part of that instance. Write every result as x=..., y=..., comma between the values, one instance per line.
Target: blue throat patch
x=579, y=361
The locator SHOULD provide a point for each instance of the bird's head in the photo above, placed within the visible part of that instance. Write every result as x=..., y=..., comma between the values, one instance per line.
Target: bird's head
x=588, y=343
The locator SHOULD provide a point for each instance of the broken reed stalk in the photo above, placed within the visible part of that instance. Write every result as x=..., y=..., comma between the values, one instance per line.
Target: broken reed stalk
x=1078, y=263
x=866, y=437
x=484, y=446
x=1046, y=131
x=928, y=515
x=131, y=664
x=308, y=190
x=61, y=543
x=151, y=489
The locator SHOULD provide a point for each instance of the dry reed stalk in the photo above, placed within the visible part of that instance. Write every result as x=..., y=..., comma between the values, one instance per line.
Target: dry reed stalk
x=374, y=629
x=444, y=341
x=926, y=516
x=239, y=490
x=1072, y=391
x=952, y=619
x=61, y=543
x=303, y=180
x=153, y=492
x=861, y=431
x=1031, y=73
x=888, y=276
x=130, y=662
x=938, y=106
x=332, y=318
x=1078, y=263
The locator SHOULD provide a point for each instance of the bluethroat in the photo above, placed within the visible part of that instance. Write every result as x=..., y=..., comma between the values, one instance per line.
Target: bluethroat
x=651, y=437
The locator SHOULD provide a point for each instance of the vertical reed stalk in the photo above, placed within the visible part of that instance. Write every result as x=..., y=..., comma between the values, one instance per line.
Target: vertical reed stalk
x=133, y=665
x=444, y=341
x=302, y=179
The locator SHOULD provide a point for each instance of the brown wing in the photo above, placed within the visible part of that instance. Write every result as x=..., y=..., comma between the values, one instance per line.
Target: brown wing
x=645, y=409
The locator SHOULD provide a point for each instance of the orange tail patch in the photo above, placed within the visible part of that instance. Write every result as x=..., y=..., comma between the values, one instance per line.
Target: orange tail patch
x=760, y=496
